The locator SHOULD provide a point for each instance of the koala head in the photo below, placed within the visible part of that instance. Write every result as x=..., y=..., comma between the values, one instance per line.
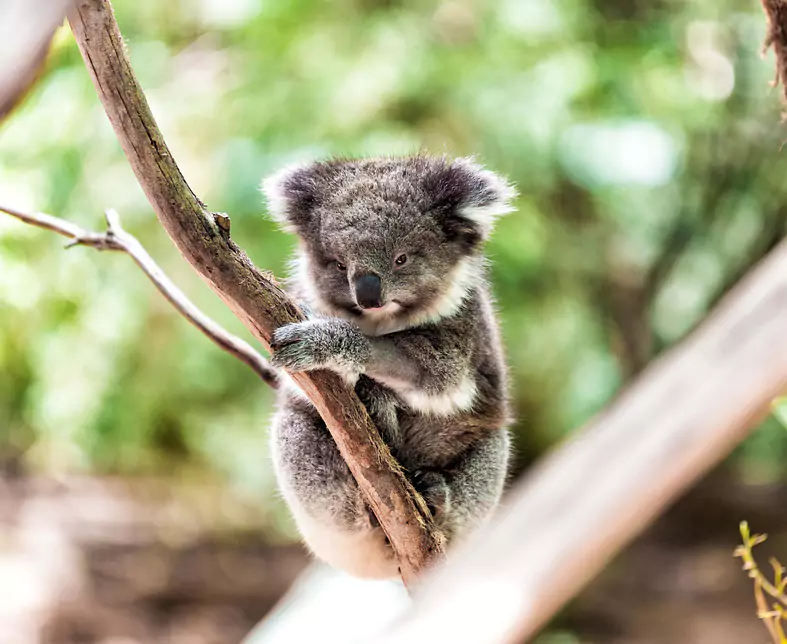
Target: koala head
x=398, y=237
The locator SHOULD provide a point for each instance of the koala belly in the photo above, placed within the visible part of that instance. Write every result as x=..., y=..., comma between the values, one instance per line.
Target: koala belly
x=364, y=554
x=323, y=497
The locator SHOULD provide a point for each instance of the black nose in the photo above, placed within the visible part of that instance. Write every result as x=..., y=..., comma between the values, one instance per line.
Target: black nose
x=368, y=291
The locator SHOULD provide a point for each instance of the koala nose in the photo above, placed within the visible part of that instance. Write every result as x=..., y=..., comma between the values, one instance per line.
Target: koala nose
x=368, y=291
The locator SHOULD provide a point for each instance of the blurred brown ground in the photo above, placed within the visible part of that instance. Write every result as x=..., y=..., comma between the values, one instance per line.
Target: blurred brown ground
x=89, y=563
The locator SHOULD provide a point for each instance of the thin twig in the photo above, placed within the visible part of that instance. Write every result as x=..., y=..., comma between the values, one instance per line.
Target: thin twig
x=117, y=239
x=772, y=616
x=744, y=552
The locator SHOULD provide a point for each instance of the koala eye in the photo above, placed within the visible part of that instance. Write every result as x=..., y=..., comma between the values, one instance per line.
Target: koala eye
x=341, y=267
x=401, y=260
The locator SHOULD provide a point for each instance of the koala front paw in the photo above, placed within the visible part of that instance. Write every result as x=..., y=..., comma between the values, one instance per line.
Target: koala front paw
x=299, y=347
x=434, y=488
x=319, y=344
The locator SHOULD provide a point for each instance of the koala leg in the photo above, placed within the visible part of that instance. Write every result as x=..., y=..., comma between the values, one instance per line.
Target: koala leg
x=463, y=496
x=324, y=498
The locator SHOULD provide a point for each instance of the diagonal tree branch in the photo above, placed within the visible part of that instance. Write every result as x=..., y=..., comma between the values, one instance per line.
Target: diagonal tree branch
x=597, y=491
x=253, y=296
x=117, y=239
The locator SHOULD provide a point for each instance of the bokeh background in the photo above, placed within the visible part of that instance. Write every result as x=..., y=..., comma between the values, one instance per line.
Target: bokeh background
x=645, y=142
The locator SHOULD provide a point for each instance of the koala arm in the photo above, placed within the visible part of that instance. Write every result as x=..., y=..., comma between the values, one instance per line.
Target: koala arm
x=428, y=360
x=427, y=366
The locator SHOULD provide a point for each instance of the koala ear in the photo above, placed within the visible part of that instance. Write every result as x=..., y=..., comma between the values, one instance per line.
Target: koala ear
x=489, y=196
x=470, y=199
x=291, y=194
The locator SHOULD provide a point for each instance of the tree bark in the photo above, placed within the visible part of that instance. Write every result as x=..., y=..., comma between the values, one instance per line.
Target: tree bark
x=203, y=239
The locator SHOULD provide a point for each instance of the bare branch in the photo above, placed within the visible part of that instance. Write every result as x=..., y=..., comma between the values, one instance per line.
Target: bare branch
x=251, y=294
x=117, y=239
x=601, y=488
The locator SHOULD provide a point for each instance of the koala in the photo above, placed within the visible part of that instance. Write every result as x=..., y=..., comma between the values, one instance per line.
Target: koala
x=391, y=271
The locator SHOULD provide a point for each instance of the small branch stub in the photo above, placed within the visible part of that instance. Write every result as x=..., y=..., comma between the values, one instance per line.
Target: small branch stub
x=223, y=222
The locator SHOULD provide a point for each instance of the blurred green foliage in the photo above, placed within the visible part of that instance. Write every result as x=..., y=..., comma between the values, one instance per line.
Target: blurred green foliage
x=642, y=136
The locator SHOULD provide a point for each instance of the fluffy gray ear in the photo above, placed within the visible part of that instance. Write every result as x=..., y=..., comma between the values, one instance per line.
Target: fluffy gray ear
x=468, y=199
x=488, y=196
x=292, y=193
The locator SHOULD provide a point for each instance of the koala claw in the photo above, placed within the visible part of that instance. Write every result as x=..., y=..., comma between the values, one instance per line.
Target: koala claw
x=434, y=488
x=293, y=357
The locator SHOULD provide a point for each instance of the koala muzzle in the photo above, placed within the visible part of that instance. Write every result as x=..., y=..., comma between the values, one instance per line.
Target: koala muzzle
x=368, y=291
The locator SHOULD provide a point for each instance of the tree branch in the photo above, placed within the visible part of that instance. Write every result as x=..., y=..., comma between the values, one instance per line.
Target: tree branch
x=597, y=491
x=252, y=295
x=116, y=238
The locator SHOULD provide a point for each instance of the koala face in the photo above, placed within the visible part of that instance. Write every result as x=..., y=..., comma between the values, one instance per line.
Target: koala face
x=388, y=237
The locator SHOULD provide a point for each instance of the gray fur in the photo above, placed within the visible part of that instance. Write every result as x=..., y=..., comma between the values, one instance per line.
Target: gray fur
x=428, y=364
